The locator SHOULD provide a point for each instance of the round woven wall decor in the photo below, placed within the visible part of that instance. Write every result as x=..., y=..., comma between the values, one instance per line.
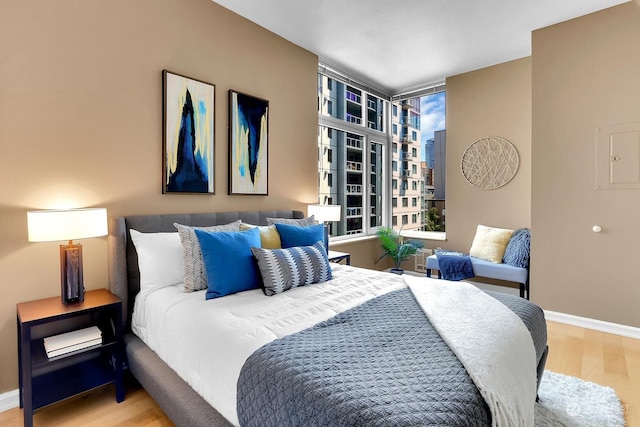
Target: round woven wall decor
x=490, y=163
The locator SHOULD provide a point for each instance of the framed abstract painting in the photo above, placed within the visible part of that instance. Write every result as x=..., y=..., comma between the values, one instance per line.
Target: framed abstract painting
x=188, y=135
x=248, y=144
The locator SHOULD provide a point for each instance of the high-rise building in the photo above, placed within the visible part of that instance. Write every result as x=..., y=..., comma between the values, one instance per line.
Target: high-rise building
x=350, y=170
x=428, y=153
x=435, y=176
x=440, y=163
x=406, y=174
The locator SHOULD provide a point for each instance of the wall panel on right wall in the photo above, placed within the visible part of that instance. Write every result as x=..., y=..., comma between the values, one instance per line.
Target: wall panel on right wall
x=585, y=76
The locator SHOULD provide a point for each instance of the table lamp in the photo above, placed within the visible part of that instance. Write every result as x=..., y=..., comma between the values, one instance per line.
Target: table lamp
x=57, y=225
x=325, y=214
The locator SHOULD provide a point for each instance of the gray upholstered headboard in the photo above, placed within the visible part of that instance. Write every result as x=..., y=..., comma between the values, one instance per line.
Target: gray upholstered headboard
x=124, y=276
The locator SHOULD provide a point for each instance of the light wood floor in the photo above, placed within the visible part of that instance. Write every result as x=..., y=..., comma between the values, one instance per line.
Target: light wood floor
x=602, y=358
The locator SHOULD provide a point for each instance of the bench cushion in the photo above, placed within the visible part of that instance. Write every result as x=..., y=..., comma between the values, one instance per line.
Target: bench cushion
x=491, y=270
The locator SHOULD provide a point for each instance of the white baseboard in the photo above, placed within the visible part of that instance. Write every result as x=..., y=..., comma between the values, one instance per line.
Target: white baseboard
x=597, y=325
x=9, y=400
x=570, y=319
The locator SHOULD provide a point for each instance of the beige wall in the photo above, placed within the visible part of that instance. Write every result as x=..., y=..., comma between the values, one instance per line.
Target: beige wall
x=494, y=101
x=365, y=253
x=586, y=74
x=583, y=74
x=81, y=123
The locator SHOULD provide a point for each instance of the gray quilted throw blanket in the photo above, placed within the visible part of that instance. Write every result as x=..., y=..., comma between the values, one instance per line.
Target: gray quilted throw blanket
x=377, y=364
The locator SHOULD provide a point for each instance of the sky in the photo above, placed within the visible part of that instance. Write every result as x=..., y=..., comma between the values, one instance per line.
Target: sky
x=432, y=116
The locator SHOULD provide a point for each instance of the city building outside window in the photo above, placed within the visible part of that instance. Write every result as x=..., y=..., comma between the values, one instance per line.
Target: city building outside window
x=421, y=123
x=353, y=146
x=355, y=142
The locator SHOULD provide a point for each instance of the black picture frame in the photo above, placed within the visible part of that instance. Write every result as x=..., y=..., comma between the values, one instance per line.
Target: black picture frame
x=188, y=130
x=248, y=144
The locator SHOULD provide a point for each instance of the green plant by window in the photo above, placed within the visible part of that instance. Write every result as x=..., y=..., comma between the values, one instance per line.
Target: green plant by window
x=396, y=247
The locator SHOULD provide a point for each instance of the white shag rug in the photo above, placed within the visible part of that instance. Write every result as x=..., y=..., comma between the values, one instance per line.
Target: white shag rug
x=571, y=402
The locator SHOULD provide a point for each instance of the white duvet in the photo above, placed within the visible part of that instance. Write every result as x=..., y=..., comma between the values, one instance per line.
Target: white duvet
x=207, y=342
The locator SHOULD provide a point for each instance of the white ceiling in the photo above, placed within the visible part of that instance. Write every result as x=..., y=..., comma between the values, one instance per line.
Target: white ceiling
x=397, y=46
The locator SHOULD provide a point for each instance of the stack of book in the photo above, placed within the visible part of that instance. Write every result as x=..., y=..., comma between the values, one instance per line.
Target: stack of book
x=58, y=345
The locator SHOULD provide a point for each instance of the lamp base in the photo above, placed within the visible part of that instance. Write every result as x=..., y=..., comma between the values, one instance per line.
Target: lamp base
x=71, y=278
x=326, y=237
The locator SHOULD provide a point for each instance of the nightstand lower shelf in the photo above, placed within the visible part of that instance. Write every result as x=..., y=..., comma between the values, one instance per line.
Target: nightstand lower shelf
x=70, y=381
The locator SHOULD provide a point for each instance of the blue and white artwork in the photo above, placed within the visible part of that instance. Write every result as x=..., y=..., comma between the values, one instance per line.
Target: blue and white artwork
x=248, y=144
x=188, y=135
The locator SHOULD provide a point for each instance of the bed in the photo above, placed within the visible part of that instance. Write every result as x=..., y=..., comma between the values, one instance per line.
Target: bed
x=176, y=393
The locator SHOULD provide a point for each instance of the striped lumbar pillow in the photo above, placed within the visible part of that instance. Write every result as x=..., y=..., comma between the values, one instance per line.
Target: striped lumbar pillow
x=283, y=269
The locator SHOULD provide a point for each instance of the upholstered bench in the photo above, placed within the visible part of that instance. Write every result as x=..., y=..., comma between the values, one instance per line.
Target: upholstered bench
x=491, y=270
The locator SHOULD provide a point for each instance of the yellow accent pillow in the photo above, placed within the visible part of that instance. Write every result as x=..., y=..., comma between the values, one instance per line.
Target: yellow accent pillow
x=269, y=236
x=490, y=243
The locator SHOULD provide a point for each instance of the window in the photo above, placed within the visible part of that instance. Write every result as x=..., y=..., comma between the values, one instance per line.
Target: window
x=375, y=113
x=419, y=164
x=354, y=136
x=362, y=150
x=376, y=175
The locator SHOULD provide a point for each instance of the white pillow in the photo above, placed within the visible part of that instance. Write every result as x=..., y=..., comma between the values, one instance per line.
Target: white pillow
x=160, y=259
x=490, y=243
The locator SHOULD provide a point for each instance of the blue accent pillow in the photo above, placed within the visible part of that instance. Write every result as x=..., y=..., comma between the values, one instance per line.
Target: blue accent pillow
x=295, y=235
x=228, y=261
x=283, y=269
x=518, y=249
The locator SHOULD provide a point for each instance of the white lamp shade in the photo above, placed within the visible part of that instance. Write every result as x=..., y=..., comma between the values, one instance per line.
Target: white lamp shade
x=324, y=213
x=58, y=225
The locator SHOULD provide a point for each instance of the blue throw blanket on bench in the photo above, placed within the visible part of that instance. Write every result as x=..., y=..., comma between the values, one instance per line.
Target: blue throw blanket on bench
x=454, y=266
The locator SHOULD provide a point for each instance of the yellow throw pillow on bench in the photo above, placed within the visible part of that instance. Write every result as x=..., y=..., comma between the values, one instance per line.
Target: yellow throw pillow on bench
x=490, y=243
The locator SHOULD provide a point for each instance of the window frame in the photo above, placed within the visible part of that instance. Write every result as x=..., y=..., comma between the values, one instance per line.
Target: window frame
x=383, y=137
x=369, y=136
